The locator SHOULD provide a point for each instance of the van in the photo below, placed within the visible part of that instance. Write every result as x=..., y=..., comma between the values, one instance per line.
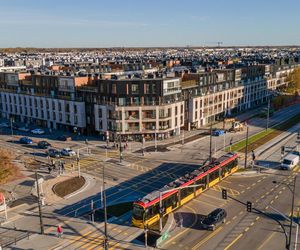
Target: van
x=290, y=161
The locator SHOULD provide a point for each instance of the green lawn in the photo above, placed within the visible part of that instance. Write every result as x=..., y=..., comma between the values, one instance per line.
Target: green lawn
x=242, y=144
x=264, y=136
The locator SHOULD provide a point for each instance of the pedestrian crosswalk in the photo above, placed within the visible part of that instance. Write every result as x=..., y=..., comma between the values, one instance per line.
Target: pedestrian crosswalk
x=296, y=169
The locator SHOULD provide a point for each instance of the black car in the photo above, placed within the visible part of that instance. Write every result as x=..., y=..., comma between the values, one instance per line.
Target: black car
x=215, y=218
x=64, y=138
x=53, y=153
x=43, y=144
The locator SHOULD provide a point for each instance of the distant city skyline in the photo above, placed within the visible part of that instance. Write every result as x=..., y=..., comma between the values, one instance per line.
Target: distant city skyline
x=156, y=23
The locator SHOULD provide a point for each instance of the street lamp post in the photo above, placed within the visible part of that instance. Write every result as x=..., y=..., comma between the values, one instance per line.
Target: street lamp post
x=155, y=141
x=210, y=143
x=105, y=242
x=39, y=203
x=11, y=127
x=246, y=149
x=268, y=115
x=120, y=147
x=143, y=141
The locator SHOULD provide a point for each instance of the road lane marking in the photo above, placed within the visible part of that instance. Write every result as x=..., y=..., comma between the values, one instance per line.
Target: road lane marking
x=193, y=224
x=264, y=243
x=234, y=217
x=252, y=224
x=247, y=229
x=257, y=218
x=207, y=238
x=276, y=196
x=234, y=241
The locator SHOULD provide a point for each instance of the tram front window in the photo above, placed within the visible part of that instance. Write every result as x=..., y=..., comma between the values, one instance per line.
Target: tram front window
x=138, y=212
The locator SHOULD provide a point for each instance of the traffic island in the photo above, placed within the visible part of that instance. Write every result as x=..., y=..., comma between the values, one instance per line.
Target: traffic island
x=69, y=186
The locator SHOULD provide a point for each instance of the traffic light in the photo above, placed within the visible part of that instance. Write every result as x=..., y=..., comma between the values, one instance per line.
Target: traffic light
x=282, y=149
x=249, y=206
x=224, y=194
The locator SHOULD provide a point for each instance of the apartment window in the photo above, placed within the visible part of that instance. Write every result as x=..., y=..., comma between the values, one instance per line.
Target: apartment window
x=100, y=124
x=75, y=108
x=176, y=110
x=35, y=102
x=196, y=104
x=196, y=115
x=67, y=107
x=36, y=112
x=181, y=108
x=147, y=88
x=59, y=106
x=25, y=101
x=60, y=117
x=68, y=118
x=54, y=116
x=30, y=102
x=100, y=113
x=48, y=115
x=114, y=88
x=42, y=113
x=135, y=88
x=53, y=105
x=47, y=104
x=75, y=119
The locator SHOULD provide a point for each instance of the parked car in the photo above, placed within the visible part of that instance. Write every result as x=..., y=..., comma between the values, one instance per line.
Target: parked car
x=25, y=140
x=64, y=138
x=38, y=131
x=215, y=218
x=53, y=153
x=43, y=144
x=68, y=152
x=218, y=132
x=24, y=129
x=295, y=152
x=4, y=125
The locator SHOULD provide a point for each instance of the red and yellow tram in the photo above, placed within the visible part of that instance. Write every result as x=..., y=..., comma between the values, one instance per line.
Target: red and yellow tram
x=146, y=210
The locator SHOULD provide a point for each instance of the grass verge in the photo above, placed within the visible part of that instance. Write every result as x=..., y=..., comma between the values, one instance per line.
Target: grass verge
x=68, y=186
x=264, y=136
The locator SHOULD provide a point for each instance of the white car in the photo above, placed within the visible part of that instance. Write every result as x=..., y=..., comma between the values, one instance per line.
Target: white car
x=24, y=129
x=68, y=152
x=37, y=131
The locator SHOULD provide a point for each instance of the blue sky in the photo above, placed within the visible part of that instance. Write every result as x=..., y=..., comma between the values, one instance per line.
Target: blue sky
x=97, y=23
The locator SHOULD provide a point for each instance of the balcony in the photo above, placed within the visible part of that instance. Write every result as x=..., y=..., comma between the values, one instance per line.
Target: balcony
x=133, y=129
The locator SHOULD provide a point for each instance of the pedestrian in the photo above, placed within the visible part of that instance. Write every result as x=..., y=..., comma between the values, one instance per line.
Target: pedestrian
x=49, y=169
x=117, y=145
x=59, y=231
x=63, y=167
